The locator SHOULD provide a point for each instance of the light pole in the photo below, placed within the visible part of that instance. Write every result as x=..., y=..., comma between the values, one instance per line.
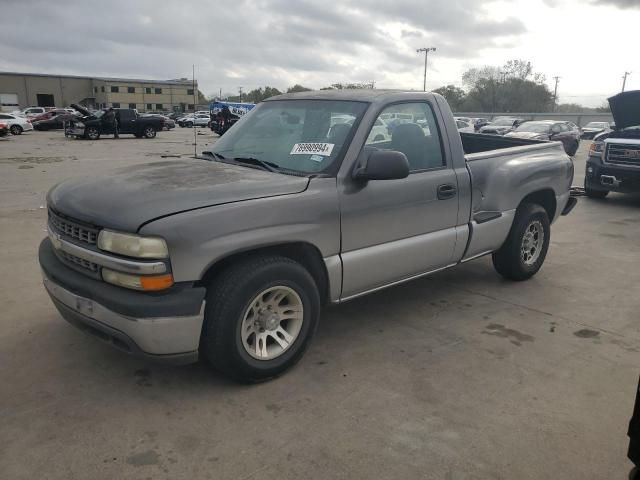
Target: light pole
x=624, y=79
x=426, y=51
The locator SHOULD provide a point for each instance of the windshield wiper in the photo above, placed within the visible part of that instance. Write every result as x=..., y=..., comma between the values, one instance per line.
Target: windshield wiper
x=216, y=155
x=268, y=166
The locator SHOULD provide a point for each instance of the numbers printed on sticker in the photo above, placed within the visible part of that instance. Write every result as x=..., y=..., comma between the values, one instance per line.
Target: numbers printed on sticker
x=323, y=149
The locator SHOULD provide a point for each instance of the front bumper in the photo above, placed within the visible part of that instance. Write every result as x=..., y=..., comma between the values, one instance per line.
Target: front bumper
x=75, y=131
x=163, y=326
x=611, y=177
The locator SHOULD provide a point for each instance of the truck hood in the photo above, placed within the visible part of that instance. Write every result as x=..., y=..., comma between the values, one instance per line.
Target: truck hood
x=625, y=108
x=81, y=109
x=132, y=196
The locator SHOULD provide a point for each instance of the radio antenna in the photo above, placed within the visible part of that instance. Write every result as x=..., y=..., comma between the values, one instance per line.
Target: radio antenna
x=195, y=135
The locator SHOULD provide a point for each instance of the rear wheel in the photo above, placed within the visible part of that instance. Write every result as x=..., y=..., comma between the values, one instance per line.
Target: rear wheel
x=573, y=149
x=524, y=250
x=149, y=132
x=92, y=133
x=260, y=316
x=15, y=129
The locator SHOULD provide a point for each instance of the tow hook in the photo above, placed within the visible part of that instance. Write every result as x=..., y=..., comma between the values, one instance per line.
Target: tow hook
x=610, y=181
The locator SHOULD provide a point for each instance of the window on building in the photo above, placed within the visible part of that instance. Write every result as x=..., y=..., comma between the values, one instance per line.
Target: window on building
x=95, y=89
x=114, y=89
x=158, y=106
x=147, y=90
x=102, y=89
x=132, y=106
x=190, y=107
x=190, y=91
x=115, y=105
x=158, y=91
x=131, y=89
x=149, y=106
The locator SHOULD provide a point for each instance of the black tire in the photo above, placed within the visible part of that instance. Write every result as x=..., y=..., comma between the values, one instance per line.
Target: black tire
x=228, y=299
x=92, y=133
x=573, y=149
x=509, y=261
x=591, y=193
x=188, y=124
x=15, y=129
x=149, y=132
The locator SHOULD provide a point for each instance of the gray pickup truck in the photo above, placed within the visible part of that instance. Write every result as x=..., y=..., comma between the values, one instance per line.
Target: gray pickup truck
x=310, y=199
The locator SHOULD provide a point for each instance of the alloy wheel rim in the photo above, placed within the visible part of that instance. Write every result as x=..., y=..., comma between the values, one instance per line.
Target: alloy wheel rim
x=532, y=242
x=272, y=322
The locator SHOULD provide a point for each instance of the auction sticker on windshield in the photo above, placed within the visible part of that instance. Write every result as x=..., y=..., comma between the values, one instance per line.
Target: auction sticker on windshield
x=324, y=149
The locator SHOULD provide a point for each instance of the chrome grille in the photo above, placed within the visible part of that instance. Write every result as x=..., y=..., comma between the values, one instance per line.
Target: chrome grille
x=81, y=262
x=623, y=154
x=72, y=229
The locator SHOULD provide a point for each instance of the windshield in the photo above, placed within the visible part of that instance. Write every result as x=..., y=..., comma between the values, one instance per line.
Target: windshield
x=306, y=136
x=503, y=122
x=98, y=113
x=535, y=127
x=596, y=125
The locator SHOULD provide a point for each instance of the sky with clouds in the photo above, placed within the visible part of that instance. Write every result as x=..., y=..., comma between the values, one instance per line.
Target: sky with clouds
x=251, y=43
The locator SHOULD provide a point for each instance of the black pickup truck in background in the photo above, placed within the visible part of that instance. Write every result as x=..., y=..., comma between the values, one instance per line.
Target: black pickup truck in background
x=614, y=156
x=91, y=125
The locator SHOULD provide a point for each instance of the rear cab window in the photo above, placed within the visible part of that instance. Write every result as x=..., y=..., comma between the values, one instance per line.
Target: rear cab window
x=410, y=128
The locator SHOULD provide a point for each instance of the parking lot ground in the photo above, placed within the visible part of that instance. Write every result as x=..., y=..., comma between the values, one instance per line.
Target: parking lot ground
x=461, y=375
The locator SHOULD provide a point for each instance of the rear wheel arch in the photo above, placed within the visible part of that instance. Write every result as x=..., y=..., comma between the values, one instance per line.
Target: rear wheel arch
x=304, y=253
x=546, y=198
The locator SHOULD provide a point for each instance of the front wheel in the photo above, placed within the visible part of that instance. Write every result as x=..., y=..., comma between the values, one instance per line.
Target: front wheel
x=92, y=133
x=149, y=132
x=189, y=124
x=15, y=129
x=260, y=316
x=524, y=250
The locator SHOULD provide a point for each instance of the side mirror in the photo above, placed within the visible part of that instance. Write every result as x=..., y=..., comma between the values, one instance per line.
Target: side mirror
x=382, y=165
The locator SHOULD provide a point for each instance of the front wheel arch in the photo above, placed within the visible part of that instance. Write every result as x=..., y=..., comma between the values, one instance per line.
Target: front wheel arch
x=304, y=253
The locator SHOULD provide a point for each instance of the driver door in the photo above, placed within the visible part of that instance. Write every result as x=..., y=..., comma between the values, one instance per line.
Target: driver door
x=393, y=230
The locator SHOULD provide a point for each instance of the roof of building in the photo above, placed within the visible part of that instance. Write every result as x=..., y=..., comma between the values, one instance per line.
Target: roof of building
x=184, y=81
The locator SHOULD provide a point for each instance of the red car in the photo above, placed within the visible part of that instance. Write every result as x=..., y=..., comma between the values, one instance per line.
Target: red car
x=50, y=114
x=4, y=129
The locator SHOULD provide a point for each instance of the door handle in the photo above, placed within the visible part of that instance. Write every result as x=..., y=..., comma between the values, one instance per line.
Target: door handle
x=446, y=191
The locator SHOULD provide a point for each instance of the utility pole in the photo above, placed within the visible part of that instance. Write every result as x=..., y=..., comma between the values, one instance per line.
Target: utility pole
x=240, y=88
x=220, y=97
x=624, y=79
x=555, y=94
x=426, y=51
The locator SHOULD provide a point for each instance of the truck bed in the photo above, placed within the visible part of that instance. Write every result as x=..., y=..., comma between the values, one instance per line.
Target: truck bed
x=479, y=142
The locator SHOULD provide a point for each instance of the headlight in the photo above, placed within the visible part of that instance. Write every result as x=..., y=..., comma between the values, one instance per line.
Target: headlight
x=146, y=283
x=79, y=124
x=596, y=149
x=132, y=245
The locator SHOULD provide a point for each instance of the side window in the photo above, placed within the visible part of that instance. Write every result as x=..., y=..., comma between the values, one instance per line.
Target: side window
x=410, y=128
x=5, y=117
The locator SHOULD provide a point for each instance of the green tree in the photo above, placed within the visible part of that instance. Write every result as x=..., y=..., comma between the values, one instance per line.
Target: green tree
x=514, y=87
x=349, y=86
x=259, y=94
x=455, y=96
x=298, y=88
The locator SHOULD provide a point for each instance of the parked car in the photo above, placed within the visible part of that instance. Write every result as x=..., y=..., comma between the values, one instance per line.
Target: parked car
x=168, y=122
x=184, y=119
x=91, y=125
x=175, y=115
x=4, y=129
x=16, y=124
x=55, y=122
x=633, y=453
x=464, y=126
x=379, y=132
x=53, y=113
x=613, y=164
x=592, y=129
x=565, y=132
x=478, y=123
x=501, y=125
x=198, y=120
x=232, y=256
x=29, y=111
